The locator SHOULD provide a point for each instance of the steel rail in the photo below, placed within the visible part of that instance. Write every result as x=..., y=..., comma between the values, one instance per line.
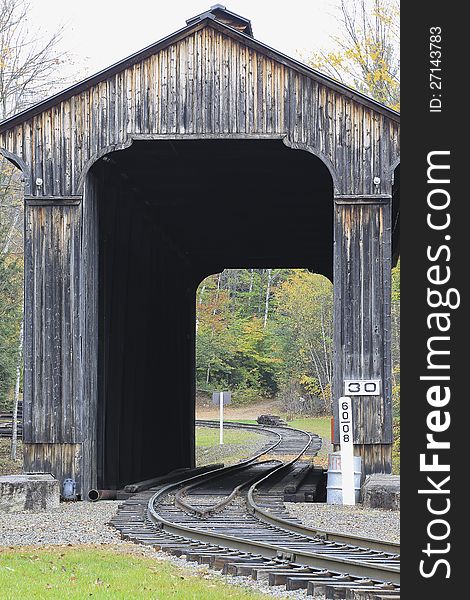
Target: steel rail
x=218, y=506
x=181, y=503
x=353, y=566
x=216, y=473
x=222, y=470
x=263, y=515
x=338, y=566
x=348, y=539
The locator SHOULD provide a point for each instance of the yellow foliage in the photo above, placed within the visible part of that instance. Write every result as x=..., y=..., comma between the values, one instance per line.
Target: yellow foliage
x=367, y=58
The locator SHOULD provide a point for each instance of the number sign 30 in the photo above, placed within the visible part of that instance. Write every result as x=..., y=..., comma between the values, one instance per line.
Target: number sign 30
x=362, y=387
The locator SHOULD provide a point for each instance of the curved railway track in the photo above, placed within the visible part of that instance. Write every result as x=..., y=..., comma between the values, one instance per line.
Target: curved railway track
x=233, y=519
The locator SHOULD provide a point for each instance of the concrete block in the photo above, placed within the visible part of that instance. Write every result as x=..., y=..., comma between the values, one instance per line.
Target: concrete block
x=30, y=491
x=382, y=491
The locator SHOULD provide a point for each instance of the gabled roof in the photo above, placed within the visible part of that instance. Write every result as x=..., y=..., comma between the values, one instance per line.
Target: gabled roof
x=195, y=24
x=227, y=17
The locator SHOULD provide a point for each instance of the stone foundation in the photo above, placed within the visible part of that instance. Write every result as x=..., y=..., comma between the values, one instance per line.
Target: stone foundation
x=382, y=491
x=32, y=491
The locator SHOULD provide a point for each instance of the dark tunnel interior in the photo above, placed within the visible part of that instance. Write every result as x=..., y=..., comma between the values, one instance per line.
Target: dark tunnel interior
x=170, y=213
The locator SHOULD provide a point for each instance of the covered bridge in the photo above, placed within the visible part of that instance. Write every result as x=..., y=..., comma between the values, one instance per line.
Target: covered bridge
x=141, y=178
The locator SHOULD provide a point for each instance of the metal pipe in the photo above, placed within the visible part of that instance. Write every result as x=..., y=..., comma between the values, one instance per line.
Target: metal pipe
x=95, y=495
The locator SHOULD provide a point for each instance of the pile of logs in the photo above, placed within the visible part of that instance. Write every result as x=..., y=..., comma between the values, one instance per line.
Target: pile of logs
x=272, y=420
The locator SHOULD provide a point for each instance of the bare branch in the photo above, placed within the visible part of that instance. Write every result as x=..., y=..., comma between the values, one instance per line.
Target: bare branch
x=29, y=62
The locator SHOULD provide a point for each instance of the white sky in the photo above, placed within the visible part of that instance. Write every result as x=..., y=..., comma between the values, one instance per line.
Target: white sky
x=102, y=32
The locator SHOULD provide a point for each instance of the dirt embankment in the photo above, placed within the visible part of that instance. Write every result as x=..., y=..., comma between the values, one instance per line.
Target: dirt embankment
x=206, y=410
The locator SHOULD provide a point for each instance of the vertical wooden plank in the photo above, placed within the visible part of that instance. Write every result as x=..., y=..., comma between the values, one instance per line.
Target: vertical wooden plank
x=158, y=95
x=88, y=327
x=250, y=92
x=111, y=111
x=181, y=84
x=208, y=82
x=163, y=78
x=190, y=86
x=225, y=91
x=217, y=69
x=172, y=92
x=76, y=124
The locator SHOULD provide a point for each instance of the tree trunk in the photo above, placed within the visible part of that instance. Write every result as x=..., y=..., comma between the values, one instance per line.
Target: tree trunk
x=260, y=298
x=266, y=304
x=11, y=231
x=14, y=431
x=318, y=368
x=250, y=289
x=219, y=280
x=201, y=293
x=325, y=349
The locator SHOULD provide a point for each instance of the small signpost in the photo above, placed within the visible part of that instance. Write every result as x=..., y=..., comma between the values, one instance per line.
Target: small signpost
x=221, y=398
x=347, y=450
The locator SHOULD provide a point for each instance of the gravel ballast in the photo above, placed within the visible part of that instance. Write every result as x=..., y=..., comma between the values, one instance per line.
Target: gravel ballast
x=357, y=520
x=70, y=523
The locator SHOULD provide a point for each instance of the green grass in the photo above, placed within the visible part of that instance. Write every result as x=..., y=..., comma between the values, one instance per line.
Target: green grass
x=78, y=573
x=208, y=436
x=319, y=425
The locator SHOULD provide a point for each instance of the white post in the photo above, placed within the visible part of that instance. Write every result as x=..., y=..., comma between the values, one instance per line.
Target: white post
x=347, y=450
x=221, y=411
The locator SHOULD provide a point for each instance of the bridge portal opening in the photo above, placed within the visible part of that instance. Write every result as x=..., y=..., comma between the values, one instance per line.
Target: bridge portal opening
x=170, y=213
x=265, y=336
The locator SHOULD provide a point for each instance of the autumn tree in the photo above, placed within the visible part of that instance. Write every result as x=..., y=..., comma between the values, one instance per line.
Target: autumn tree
x=366, y=55
x=234, y=341
x=305, y=330
x=212, y=311
x=11, y=294
x=260, y=330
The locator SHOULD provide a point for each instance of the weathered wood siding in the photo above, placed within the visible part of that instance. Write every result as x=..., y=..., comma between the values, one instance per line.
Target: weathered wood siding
x=207, y=83
x=62, y=460
x=362, y=287
x=52, y=343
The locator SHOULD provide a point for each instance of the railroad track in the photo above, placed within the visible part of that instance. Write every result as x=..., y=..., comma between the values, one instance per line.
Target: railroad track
x=233, y=519
x=6, y=423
